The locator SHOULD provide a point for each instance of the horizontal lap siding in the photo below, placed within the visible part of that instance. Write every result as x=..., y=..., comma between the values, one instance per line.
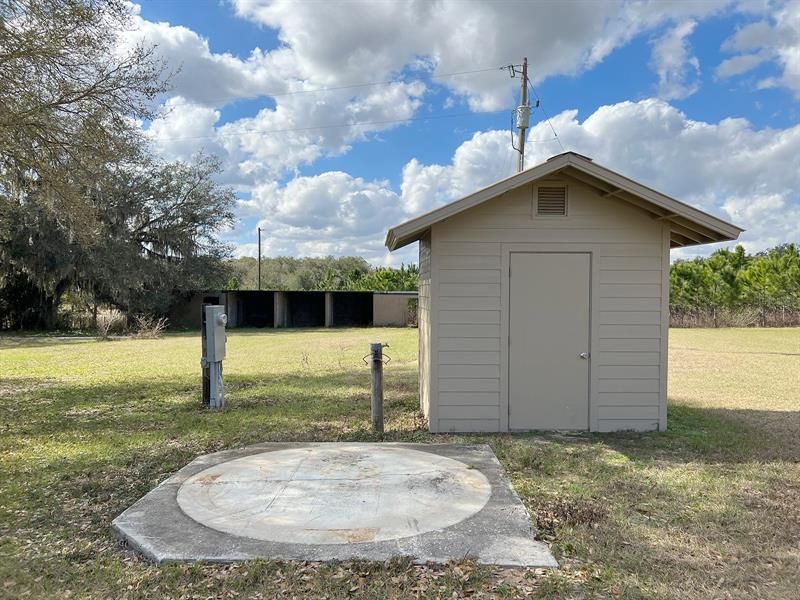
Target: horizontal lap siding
x=630, y=331
x=629, y=345
x=468, y=411
x=469, y=358
x=626, y=386
x=468, y=308
x=470, y=290
x=466, y=330
x=468, y=276
x=628, y=290
x=468, y=262
x=611, y=399
x=468, y=399
x=475, y=344
x=627, y=260
x=626, y=304
x=469, y=303
x=627, y=371
x=470, y=317
x=614, y=424
x=470, y=384
x=630, y=317
x=469, y=425
x=629, y=263
x=515, y=235
x=469, y=371
x=628, y=357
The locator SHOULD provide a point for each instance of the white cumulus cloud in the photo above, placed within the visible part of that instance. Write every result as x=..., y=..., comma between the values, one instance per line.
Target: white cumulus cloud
x=478, y=162
x=330, y=213
x=338, y=44
x=276, y=141
x=775, y=41
x=678, y=70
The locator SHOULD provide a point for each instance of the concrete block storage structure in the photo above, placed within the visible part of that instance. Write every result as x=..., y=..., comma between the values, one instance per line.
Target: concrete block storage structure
x=390, y=309
x=544, y=300
x=291, y=309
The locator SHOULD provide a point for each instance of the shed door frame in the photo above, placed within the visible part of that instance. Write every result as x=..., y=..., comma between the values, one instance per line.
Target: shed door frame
x=505, y=288
x=588, y=331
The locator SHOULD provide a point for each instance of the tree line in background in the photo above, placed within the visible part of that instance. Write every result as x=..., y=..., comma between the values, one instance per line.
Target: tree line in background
x=87, y=215
x=329, y=273
x=733, y=289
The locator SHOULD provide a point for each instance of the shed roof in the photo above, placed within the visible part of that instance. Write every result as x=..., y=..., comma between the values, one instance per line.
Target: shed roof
x=690, y=226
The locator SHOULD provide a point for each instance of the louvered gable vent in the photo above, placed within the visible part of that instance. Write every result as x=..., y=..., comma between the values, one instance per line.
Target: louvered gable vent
x=551, y=201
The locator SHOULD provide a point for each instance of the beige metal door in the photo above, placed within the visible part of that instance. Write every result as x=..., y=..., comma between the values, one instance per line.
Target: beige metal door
x=548, y=358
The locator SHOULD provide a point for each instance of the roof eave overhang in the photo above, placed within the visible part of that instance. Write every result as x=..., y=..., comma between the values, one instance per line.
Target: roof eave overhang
x=702, y=227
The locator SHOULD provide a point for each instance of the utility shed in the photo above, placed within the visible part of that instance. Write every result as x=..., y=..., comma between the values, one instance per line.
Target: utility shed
x=544, y=300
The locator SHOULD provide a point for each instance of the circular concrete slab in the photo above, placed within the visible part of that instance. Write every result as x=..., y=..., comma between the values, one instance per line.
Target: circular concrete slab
x=347, y=493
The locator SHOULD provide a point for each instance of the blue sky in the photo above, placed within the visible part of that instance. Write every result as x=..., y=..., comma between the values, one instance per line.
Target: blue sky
x=697, y=99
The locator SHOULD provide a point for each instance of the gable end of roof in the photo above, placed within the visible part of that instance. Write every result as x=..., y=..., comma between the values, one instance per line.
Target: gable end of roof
x=682, y=217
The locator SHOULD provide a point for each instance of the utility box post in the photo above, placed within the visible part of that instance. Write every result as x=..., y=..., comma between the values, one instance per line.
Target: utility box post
x=213, y=334
x=376, y=366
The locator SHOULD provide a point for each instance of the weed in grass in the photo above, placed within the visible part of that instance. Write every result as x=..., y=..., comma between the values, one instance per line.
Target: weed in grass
x=551, y=514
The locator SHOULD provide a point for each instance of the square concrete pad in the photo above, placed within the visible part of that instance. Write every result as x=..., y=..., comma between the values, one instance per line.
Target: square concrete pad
x=337, y=501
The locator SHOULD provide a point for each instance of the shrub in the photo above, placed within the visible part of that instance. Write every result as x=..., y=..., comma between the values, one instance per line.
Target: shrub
x=149, y=327
x=109, y=322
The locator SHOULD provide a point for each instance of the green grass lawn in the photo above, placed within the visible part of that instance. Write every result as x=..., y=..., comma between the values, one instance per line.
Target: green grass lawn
x=709, y=509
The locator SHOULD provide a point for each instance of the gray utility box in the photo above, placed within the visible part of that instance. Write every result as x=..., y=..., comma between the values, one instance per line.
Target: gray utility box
x=216, y=319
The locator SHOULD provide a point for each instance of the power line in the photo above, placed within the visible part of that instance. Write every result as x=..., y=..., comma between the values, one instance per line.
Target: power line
x=546, y=116
x=227, y=99
x=387, y=82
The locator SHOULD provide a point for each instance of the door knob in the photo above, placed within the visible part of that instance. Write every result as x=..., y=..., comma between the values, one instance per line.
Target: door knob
x=584, y=355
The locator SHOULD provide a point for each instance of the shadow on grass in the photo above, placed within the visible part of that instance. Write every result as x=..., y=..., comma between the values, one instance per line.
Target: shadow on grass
x=36, y=340
x=9, y=342
x=716, y=435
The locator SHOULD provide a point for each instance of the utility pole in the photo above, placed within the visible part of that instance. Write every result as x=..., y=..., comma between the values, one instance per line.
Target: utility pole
x=259, y=258
x=523, y=114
